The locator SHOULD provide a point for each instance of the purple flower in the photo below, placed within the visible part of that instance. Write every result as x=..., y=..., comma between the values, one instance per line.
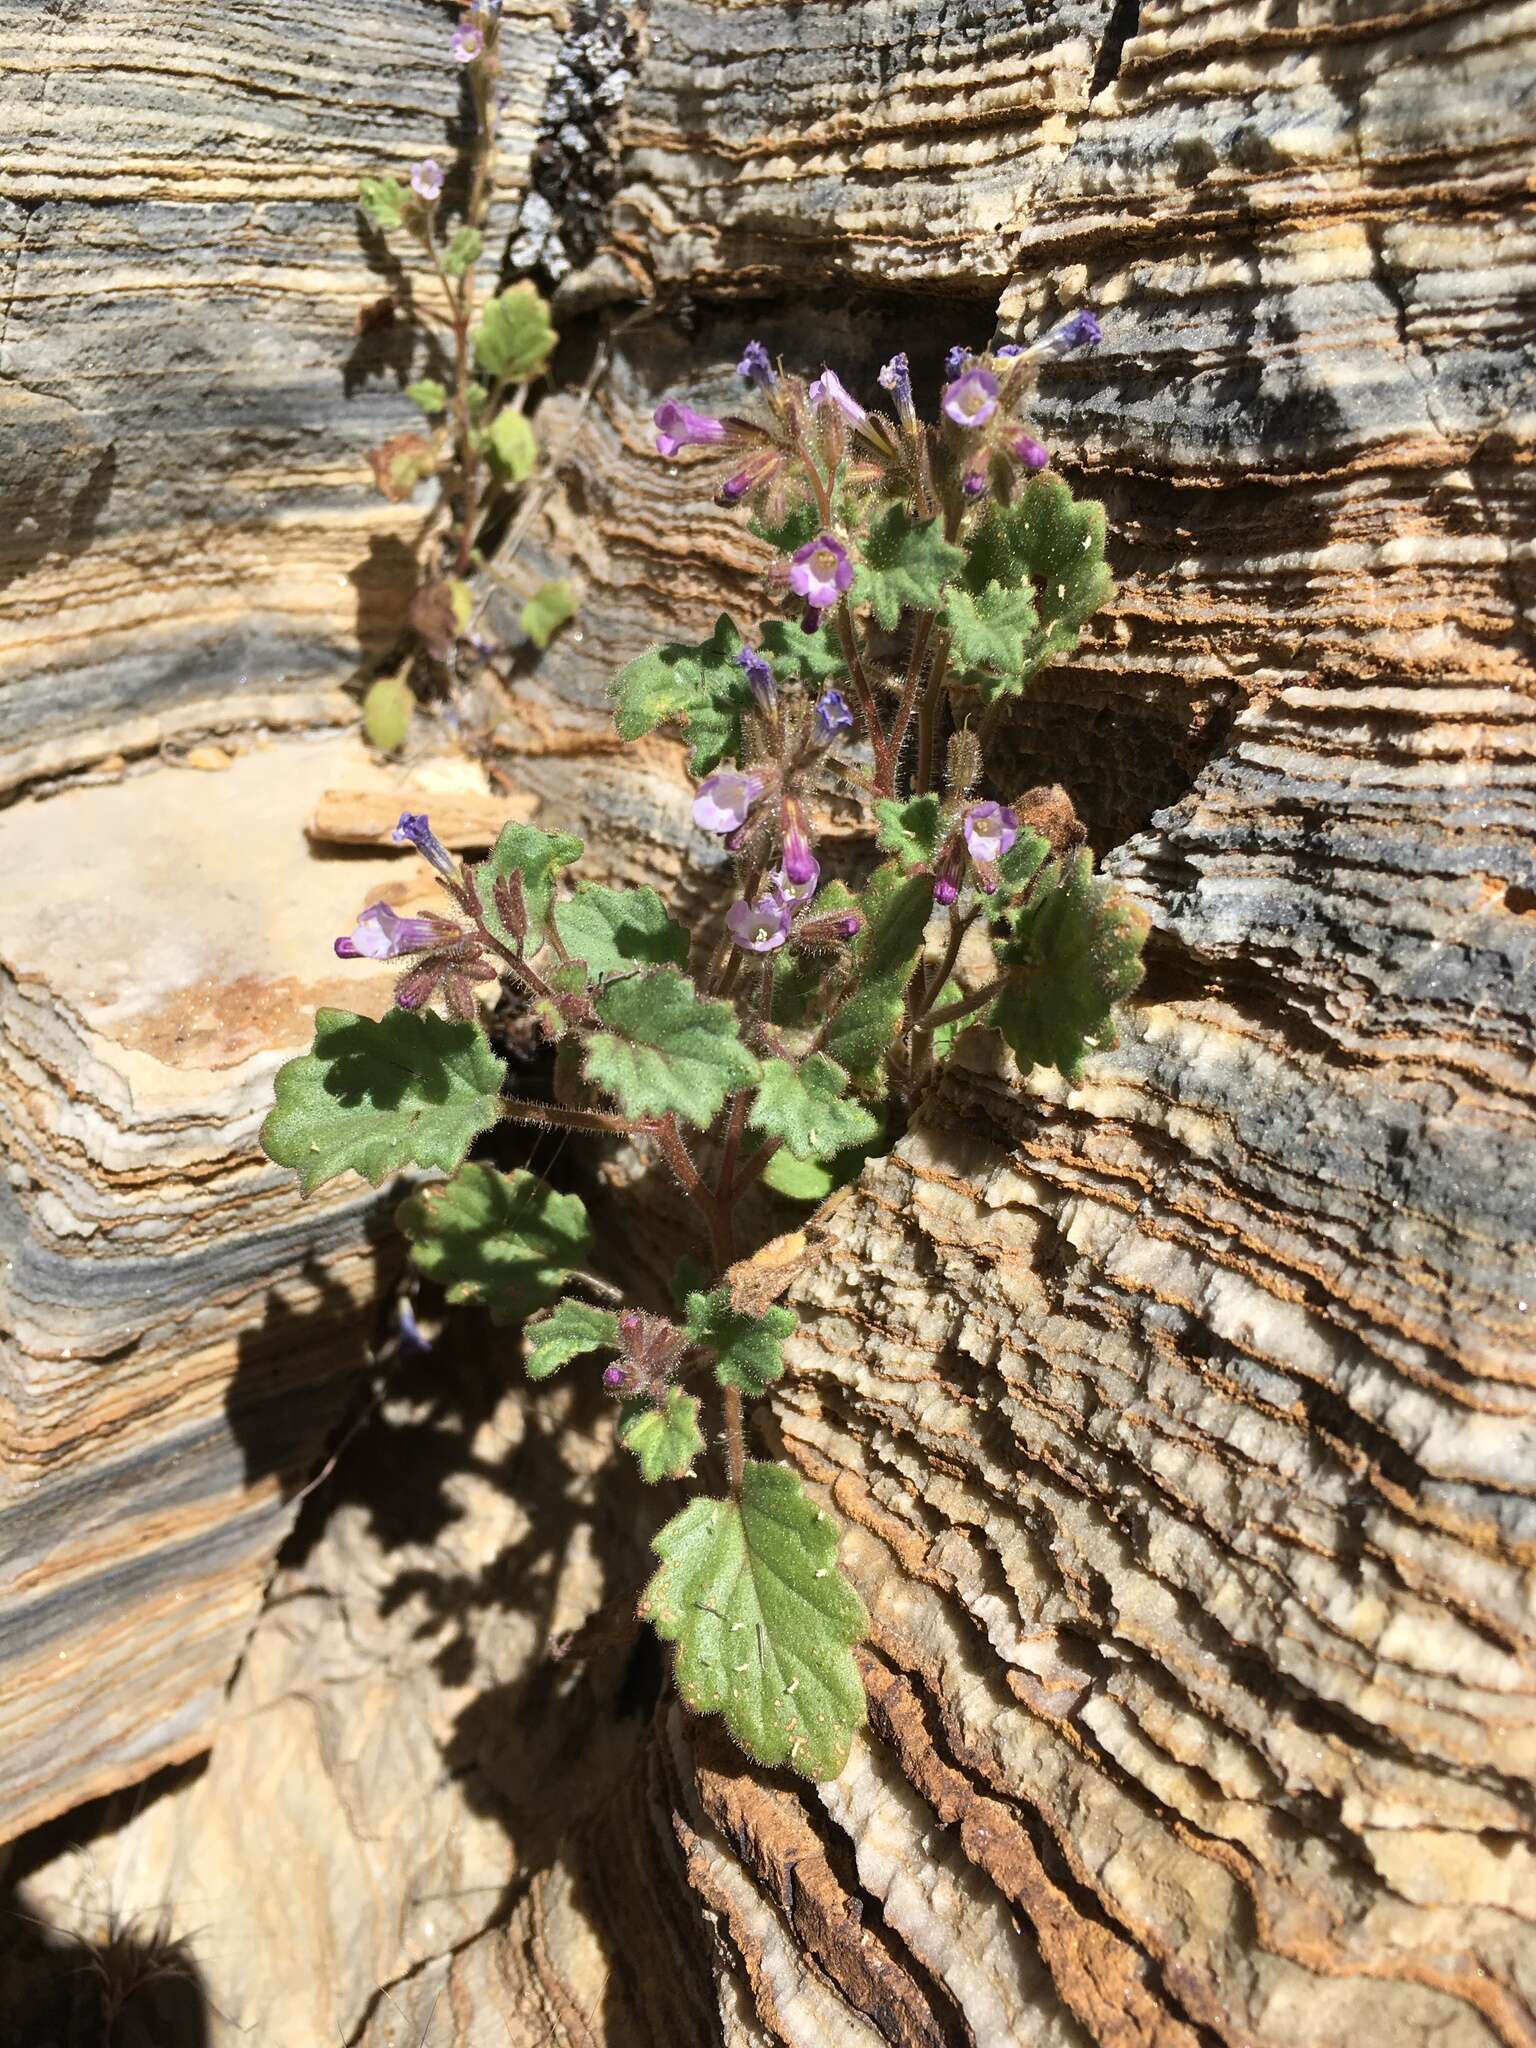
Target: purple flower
x=832, y=715
x=755, y=366
x=1009, y=348
x=795, y=893
x=799, y=861
x=820, y=572
x=896, y=377
x=1031, y=453
x=956, y=360
x=972, y=399
x=722, y=800
x=614, y=1377
x=427, y=179
x=760, y=676
x=380, y=934
x=973, y=483
x=467, y=43
x=412, y=829
x=990, y=830
x=828, y=390
x=679, y=426
x=949, y=870
x=760, y=927
x=1079, y=330
x=414, y=1343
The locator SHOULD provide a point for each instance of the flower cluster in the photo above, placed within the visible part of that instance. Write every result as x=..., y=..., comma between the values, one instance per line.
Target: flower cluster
x=880, y=903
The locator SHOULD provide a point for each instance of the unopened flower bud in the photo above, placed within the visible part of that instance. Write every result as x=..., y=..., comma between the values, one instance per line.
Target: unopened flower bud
x=412, y=829
x=1032, y=455
x=755, y=366
x=799, y=862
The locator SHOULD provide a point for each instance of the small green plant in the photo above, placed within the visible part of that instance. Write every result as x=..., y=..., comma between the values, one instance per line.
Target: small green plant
x=925, y=576
x=488, y=351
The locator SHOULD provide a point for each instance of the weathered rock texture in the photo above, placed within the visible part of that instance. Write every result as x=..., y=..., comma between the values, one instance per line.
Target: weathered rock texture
x=1183, y=1423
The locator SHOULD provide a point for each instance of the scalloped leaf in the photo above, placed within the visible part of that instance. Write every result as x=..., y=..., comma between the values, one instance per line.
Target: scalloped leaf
x=810, y=658
x=809, y=1108
x=764, y=1621
x=904, y=561
x=1047, y=543
x=383, y=202
x=537, y=857
x=662, y=1049
x=504, y=1240
x=910, y=830
x=701, y=686
x=513, y=336
x=509, y=443
x=412, y=1089
x=749, y=1350
x=551, y=606
x=664, y=1435
x=1075, y=947
x=616, y=929
x=569, y=1330
x=896, y=912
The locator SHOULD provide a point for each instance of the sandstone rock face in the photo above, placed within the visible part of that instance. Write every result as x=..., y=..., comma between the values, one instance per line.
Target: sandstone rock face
x=1183, y=1422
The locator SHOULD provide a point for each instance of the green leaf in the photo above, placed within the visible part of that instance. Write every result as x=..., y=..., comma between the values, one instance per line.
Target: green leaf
x=796, y=525
x=462, y=251
x=911, y=830
x=749, y=1350
x=428, y=394
x=1076, y=947
x=509, y=442
x=1020, y=864
x=570, y=1329
x=702, y=686
x=383, y=201
x=535, y=856
x=549, y=608
x=387, y=712
x=808, y=1107
x=904, y=561
x=616, y=929
x=1046, y=543
x=989, y=629
x=664, y=1435
x=896, y=913
x=810, y=658
x=662, y=1049
x=513, y=338
x=801, y=1180
x=764, y=1621
x=504, y=1240
x=413, y=1089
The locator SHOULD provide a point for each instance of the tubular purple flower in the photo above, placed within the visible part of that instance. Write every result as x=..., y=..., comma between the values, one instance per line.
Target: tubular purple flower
x=760, y=676
x=1009, y=348
x=760, y=927
x=722, y=800
x=795, y=893
x=756, y=368
x=956, y=360
x=990, y=829
x=832, y=715
x=414, y=1342
x=1079, y=330
x=799, y=861
x=820, y=572
x=381, y=934
x=972, y=399
x=973, y=483
x=1033, y=454
x=467, y=43
x=614, y=1377
x=947, y=874
x=679, y=426
x=412, y=829
x=427, y=180
x=828, y=390
x=896, y=377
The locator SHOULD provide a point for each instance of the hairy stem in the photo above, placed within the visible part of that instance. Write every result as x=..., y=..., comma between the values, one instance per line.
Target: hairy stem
x=558, y=1117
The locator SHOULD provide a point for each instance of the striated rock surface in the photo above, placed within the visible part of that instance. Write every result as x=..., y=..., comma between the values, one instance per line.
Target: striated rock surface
x=180, y=1330
x=1184, y=1423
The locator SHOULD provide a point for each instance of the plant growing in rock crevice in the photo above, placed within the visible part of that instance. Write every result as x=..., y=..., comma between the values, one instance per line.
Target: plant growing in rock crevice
x=926, y=574
x=477, y=442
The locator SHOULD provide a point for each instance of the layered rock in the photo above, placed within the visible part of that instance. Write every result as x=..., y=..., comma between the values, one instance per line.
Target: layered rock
x=1181, y=1422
